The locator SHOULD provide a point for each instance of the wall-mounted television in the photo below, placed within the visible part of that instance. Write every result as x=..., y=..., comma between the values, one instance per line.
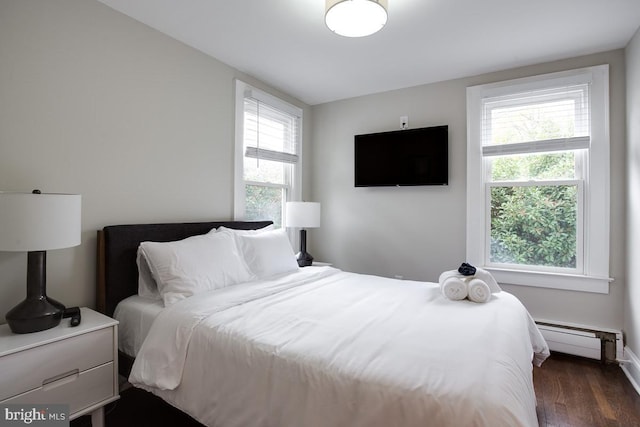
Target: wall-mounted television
x=403, y=157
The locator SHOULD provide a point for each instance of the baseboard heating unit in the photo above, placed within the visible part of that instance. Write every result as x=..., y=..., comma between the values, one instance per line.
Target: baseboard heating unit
x=601, y=344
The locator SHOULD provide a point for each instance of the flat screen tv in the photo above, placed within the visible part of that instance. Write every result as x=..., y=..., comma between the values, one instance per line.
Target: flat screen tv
x=403, y=157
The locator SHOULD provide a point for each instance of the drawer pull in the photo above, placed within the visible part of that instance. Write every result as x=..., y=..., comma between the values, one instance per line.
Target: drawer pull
x=61, y=379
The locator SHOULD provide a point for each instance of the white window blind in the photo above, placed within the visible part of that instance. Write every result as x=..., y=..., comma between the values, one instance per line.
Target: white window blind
x=269, y=133
x=534, y=121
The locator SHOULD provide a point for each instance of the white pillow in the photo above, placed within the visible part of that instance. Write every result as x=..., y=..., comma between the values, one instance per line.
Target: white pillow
x=268, y=253
x=244, y=232
x=194, y=265
x=147, y=286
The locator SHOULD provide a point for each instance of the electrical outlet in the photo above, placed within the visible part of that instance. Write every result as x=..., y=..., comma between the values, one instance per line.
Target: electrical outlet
x=404, y=122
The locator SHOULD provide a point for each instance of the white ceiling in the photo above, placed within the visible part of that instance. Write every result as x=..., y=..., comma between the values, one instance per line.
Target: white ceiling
x=286, y=44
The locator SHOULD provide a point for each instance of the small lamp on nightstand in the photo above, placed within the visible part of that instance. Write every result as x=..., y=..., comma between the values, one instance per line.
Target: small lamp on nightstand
x=35, y=223
x=303, y=215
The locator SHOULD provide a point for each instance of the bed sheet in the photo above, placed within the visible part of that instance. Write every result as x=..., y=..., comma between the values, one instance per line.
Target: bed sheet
x=136, y=314
x=321, y=347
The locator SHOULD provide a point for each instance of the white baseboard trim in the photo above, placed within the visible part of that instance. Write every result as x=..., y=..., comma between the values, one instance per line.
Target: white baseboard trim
x=631, y=368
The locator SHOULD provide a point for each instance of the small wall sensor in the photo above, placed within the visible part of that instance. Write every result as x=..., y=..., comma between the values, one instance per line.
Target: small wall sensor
x=404, y=122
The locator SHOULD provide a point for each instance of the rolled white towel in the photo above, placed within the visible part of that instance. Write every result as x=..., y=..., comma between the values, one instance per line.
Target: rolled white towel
x=446, y=274
x=487, y=278
x=454, y=288
x=479, y=290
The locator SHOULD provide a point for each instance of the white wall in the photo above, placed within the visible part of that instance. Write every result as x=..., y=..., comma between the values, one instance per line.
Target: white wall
x=417, y=232
x=93, y=102
x=632, y=294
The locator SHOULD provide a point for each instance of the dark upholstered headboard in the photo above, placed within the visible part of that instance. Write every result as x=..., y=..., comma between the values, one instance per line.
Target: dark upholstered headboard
x=117, y=247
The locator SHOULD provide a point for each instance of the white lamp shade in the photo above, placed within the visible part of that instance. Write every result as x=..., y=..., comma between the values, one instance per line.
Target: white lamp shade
x=356, y=18
x=302, y=214
x=39, y=222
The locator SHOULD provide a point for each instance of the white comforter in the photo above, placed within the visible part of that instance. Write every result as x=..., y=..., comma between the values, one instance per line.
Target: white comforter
x=321, y=348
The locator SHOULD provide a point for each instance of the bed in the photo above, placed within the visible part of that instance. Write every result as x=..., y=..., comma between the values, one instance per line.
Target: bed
x=314, y=346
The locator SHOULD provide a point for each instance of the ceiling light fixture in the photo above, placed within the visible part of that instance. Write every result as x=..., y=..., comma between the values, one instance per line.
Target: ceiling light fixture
x=356, y=18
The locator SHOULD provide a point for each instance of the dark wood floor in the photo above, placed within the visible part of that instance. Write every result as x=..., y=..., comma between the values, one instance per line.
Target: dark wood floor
x=571, y=392
x=579, y=392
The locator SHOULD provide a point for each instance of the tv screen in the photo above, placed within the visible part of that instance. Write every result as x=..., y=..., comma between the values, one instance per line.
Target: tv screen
x=403, y=157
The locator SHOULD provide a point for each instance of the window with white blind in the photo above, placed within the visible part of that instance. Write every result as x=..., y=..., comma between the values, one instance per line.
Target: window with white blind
x=538, y=180
x=268, y=136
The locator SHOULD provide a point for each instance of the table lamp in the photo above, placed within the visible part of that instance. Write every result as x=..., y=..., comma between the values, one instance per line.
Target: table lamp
x=303, y=215
x=35, y=223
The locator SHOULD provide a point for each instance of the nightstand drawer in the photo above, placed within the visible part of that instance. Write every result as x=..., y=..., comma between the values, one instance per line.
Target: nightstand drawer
x=27, y=370
x=79, y=390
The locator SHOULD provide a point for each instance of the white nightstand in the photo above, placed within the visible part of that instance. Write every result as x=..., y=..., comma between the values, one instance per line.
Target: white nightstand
x=77, y=366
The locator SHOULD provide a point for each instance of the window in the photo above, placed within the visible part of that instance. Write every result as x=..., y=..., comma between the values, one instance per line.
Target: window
x=267, y=155
x=538, y=180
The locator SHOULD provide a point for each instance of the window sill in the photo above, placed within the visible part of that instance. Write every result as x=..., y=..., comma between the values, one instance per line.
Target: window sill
x=569, y=282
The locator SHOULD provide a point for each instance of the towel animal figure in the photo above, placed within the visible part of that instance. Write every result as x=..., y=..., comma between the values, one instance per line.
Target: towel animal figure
x=477, y=287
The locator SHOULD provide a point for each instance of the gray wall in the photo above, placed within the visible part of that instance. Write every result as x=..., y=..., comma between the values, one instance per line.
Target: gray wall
x=632, y=294
x=142, y=126
x=93, y=102
x=417, y=232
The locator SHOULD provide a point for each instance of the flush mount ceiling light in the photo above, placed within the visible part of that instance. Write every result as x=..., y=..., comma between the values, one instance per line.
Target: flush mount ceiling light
x=356, y=18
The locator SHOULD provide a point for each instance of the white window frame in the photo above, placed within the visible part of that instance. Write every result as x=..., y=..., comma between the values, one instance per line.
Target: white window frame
x=592, y=273
x=294, y=187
